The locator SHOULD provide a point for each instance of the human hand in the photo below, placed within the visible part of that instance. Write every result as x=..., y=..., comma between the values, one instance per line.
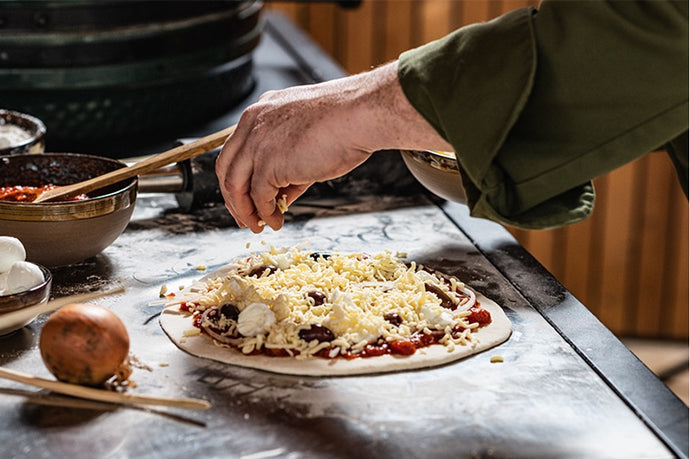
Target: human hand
x=295, y=137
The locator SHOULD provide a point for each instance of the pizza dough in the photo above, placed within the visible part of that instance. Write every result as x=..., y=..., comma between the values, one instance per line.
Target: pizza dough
x=293, y=300
x=177, y=325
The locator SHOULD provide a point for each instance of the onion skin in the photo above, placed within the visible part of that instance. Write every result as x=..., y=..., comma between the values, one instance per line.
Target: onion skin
x=84, y=344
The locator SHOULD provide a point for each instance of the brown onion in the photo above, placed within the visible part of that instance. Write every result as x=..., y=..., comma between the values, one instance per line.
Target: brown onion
x=84, y=344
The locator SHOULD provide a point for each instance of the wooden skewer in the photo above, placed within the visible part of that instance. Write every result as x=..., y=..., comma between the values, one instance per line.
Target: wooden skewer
x=174, y=155
x=20, y=317
x=91, y=393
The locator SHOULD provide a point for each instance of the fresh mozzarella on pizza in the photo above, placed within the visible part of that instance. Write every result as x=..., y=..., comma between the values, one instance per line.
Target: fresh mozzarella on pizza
x=296, y=311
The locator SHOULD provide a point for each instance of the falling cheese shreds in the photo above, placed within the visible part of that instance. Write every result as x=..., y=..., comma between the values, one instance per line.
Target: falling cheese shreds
x=496, y=359
x=281, y=203
x=357, y=290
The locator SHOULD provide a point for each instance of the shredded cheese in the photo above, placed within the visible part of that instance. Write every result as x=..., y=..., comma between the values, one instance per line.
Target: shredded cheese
x=282, y=204
x=357, y=292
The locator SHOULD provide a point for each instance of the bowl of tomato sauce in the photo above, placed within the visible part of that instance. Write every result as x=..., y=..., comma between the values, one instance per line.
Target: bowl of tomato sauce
x=63, y=232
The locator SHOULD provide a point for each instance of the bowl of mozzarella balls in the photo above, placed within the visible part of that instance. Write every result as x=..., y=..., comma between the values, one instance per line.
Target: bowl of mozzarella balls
x=22, y=283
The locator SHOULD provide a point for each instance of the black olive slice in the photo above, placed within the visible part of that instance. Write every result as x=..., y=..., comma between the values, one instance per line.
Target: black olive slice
x=446, y=301
x=316, y=332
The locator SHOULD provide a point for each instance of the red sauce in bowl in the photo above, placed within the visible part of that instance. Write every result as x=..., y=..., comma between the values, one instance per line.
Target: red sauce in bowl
x=19, y=193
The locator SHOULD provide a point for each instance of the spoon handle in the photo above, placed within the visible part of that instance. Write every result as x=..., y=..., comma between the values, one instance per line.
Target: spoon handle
x=174, y=155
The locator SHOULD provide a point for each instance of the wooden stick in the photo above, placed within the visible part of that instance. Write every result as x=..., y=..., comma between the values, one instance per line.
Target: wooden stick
x=17, y=318
x=64, y=401
x=174, y=155
x=91, y=393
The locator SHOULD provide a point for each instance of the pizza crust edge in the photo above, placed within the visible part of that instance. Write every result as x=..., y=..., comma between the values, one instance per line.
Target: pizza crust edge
x=176, y=324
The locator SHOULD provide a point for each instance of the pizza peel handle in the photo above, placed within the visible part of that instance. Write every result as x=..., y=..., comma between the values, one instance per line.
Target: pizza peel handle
x=174, y=155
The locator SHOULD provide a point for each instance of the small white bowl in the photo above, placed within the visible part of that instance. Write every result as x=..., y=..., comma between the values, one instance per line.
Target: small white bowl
x=16, y=301
x=437, y=171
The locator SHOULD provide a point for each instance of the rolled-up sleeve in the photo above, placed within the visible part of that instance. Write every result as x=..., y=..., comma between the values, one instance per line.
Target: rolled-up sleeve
x=536, y=103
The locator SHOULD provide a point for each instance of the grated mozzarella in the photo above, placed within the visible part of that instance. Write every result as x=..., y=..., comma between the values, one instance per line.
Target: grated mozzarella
x=358, y=291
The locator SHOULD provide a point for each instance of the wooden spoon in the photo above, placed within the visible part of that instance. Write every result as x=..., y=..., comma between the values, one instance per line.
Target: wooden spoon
x=174, y=155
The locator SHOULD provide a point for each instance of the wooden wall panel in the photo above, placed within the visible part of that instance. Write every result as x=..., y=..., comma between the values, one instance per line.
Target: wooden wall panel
x=676, y=295
x=322, y=24
x=628, y=262
x=358, y=38
x=650, y=242
x=611, y=273
x=437, y=16
x=477, y=12
x=580, y=257
x=398, y=28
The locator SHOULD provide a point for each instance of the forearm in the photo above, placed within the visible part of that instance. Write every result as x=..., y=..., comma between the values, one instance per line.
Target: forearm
x=383, y=117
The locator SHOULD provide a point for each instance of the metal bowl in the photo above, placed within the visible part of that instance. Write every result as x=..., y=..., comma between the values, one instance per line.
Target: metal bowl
x=437, y=171
x=63, y=233
x=33, y=296
x=32, y=140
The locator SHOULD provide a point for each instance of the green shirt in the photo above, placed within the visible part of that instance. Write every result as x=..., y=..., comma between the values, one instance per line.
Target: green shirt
x=537, y=103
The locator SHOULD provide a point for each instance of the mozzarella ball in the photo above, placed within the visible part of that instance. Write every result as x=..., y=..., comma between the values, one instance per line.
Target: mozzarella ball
x=23, y=276
x=255, y=319
x=11, y=251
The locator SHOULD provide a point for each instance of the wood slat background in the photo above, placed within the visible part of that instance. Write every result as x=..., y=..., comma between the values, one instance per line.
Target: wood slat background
x=628, y=263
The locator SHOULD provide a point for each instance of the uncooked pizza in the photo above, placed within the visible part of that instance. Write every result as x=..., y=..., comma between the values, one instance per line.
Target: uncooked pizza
x=296, y=311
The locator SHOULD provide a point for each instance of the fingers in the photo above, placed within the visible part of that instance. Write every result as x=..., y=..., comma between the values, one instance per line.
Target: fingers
x=270, y=154
x=265, y=192
x=271, y=214
x=292, y=192
x=234, y=176
x=249, y=196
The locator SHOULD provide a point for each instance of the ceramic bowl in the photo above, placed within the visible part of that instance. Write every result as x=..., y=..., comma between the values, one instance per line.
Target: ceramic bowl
x=437, y=171
x=63, y=233
x=33, y=296
x=20, y=133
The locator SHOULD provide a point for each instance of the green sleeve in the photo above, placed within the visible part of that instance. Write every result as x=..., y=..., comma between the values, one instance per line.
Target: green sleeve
x=537, y=103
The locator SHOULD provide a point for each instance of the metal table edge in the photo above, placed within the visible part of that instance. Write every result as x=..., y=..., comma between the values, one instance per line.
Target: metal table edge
x=637, y=386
